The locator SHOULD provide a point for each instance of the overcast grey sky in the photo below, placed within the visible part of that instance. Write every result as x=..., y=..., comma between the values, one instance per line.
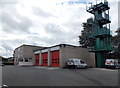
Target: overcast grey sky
x=44, y=22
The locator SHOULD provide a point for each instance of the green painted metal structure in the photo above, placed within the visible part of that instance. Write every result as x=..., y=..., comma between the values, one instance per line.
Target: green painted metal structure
x=101, y=34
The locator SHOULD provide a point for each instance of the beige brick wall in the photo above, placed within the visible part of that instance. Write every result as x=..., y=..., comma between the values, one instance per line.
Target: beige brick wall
x=25, y=51
x=76, y=52
x=73, y=52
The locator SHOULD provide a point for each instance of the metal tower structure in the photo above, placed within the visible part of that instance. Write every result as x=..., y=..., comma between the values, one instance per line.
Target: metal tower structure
x=101, y=33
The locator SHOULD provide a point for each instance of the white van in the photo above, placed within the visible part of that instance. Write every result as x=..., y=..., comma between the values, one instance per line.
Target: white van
x=76, y=63
x=112, y=63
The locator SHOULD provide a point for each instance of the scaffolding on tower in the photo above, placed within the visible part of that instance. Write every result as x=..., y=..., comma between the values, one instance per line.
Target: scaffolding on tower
x=101, y=33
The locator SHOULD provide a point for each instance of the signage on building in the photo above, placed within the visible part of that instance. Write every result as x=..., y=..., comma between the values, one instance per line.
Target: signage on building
x=54, y=48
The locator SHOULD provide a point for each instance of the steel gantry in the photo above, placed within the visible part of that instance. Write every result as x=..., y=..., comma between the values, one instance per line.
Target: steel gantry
x=101, y=33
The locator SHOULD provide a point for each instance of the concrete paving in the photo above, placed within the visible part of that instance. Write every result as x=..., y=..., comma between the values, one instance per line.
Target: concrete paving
x=47, y=76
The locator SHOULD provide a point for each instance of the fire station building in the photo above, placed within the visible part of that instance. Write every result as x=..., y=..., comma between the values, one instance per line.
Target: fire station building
x=23, y=55
x=57, y=56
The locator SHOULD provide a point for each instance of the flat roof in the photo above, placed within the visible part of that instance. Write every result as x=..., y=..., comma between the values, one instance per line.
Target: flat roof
x=58, y=45
x=29, y=45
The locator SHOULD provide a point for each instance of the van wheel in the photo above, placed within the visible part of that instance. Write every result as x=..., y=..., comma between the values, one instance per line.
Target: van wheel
x=85, y=67
x=76, y=67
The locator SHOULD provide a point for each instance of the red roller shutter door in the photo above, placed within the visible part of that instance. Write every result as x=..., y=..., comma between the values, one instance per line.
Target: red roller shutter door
x=45, y=59
x=55, y=58
x=37, y=56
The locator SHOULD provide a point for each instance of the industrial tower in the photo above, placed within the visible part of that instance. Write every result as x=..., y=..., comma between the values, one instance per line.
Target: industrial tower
x=101, y=34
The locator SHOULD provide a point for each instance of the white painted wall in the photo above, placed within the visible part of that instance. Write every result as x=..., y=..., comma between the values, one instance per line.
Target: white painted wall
x=37, y=52
x=25, y=63
x=44, y=50
x=55, y=48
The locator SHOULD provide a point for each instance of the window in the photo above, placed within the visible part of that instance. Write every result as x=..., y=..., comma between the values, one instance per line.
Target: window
x=70, y=60
x=82, y=62
x=20, y=60
x=118, y=61
x=26, y=60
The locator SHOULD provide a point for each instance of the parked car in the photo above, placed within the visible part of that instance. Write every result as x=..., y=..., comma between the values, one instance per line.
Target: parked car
x=2, y=64
x=76, y=63
x=112, y=63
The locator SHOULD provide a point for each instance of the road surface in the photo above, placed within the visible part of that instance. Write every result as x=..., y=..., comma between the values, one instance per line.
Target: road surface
x=47, y=76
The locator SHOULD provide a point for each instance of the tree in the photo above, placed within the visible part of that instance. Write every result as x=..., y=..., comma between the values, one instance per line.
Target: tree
x=116, y=45
x=84, y=39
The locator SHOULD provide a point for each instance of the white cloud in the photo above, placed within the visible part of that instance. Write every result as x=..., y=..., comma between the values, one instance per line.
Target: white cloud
x=44, y=22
